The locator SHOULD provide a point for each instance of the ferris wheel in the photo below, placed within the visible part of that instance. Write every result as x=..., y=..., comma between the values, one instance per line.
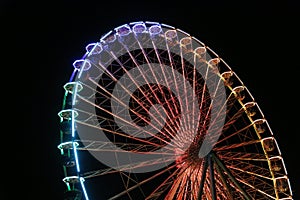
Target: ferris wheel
x=151, y=112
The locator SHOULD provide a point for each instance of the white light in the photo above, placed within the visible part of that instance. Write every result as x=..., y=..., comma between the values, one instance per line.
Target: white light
x=76, y=157
x=83, y=188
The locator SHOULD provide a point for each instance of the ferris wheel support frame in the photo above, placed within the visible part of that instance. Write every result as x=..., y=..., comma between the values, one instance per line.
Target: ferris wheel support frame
x=210, y=161
x=217, y=176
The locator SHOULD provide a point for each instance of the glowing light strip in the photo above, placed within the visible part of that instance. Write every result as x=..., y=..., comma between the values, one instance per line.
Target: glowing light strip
x=76, y=156
x=104, y=36
x=73, y=75
x=68, y=186
x=73, y=123
x=148, y=22
x=138, y=22
x=75, y=144
x=83, y=188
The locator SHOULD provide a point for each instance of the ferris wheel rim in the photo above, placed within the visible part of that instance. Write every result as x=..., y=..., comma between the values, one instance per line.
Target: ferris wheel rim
x=83, y=65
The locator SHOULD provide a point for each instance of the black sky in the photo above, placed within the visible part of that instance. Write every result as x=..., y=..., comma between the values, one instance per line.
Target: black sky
x=259, y=41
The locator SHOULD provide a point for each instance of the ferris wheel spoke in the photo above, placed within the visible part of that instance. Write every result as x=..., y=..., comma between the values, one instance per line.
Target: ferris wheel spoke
x=211, y=177
x=252, y=176
x=120, y=134
x=185, y=74
x=185, y=190
x=92, y=145
x=170, y=180
x=148, y=83
x=126, y=167
x=254, y=189
x=201, y=62
x=178, y=185
x=133, y=79
x=202, y=179
x=196, y=181
x=250, y=169
x=141, y=104
x=127, y=122
x=174, y=77
x=166, y=81
x=242, y=156
x=254, y=171
x=228, y=189
x=237, y=145
x=126, y=183
x=238, y=136
x=232, y=120
x=222, y=107
x=230, y=175
x=231, y=100
x=142, y=182
x=150, y=96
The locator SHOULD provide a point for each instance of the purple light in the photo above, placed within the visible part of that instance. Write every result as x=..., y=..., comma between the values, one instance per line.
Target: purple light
x=139, y=28
x=155, y=29
x=123, y=30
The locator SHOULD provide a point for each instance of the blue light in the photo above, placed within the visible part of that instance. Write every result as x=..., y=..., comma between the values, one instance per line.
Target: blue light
x=73, y=75
x=106, y=35
x=139, y=22
x=76, y=157
x=73, y=103
x=73, y=122
x=83, y=188
x=152, y=23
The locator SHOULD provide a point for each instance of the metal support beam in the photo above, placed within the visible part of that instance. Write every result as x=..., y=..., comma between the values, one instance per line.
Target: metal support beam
x=202, y=180
x=229, y=174
x=228, y=190
x=212, y=177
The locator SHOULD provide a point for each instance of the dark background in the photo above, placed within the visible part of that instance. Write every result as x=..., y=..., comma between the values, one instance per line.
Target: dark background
x=41, y=40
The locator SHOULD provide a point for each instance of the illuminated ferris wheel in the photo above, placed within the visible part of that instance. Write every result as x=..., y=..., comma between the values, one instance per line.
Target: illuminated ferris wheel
x=151, y=112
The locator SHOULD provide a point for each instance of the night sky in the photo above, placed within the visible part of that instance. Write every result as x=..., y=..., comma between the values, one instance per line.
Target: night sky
x=259, y=41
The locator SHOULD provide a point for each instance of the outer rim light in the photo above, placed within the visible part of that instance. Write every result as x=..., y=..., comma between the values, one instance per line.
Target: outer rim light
x=154, y=30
